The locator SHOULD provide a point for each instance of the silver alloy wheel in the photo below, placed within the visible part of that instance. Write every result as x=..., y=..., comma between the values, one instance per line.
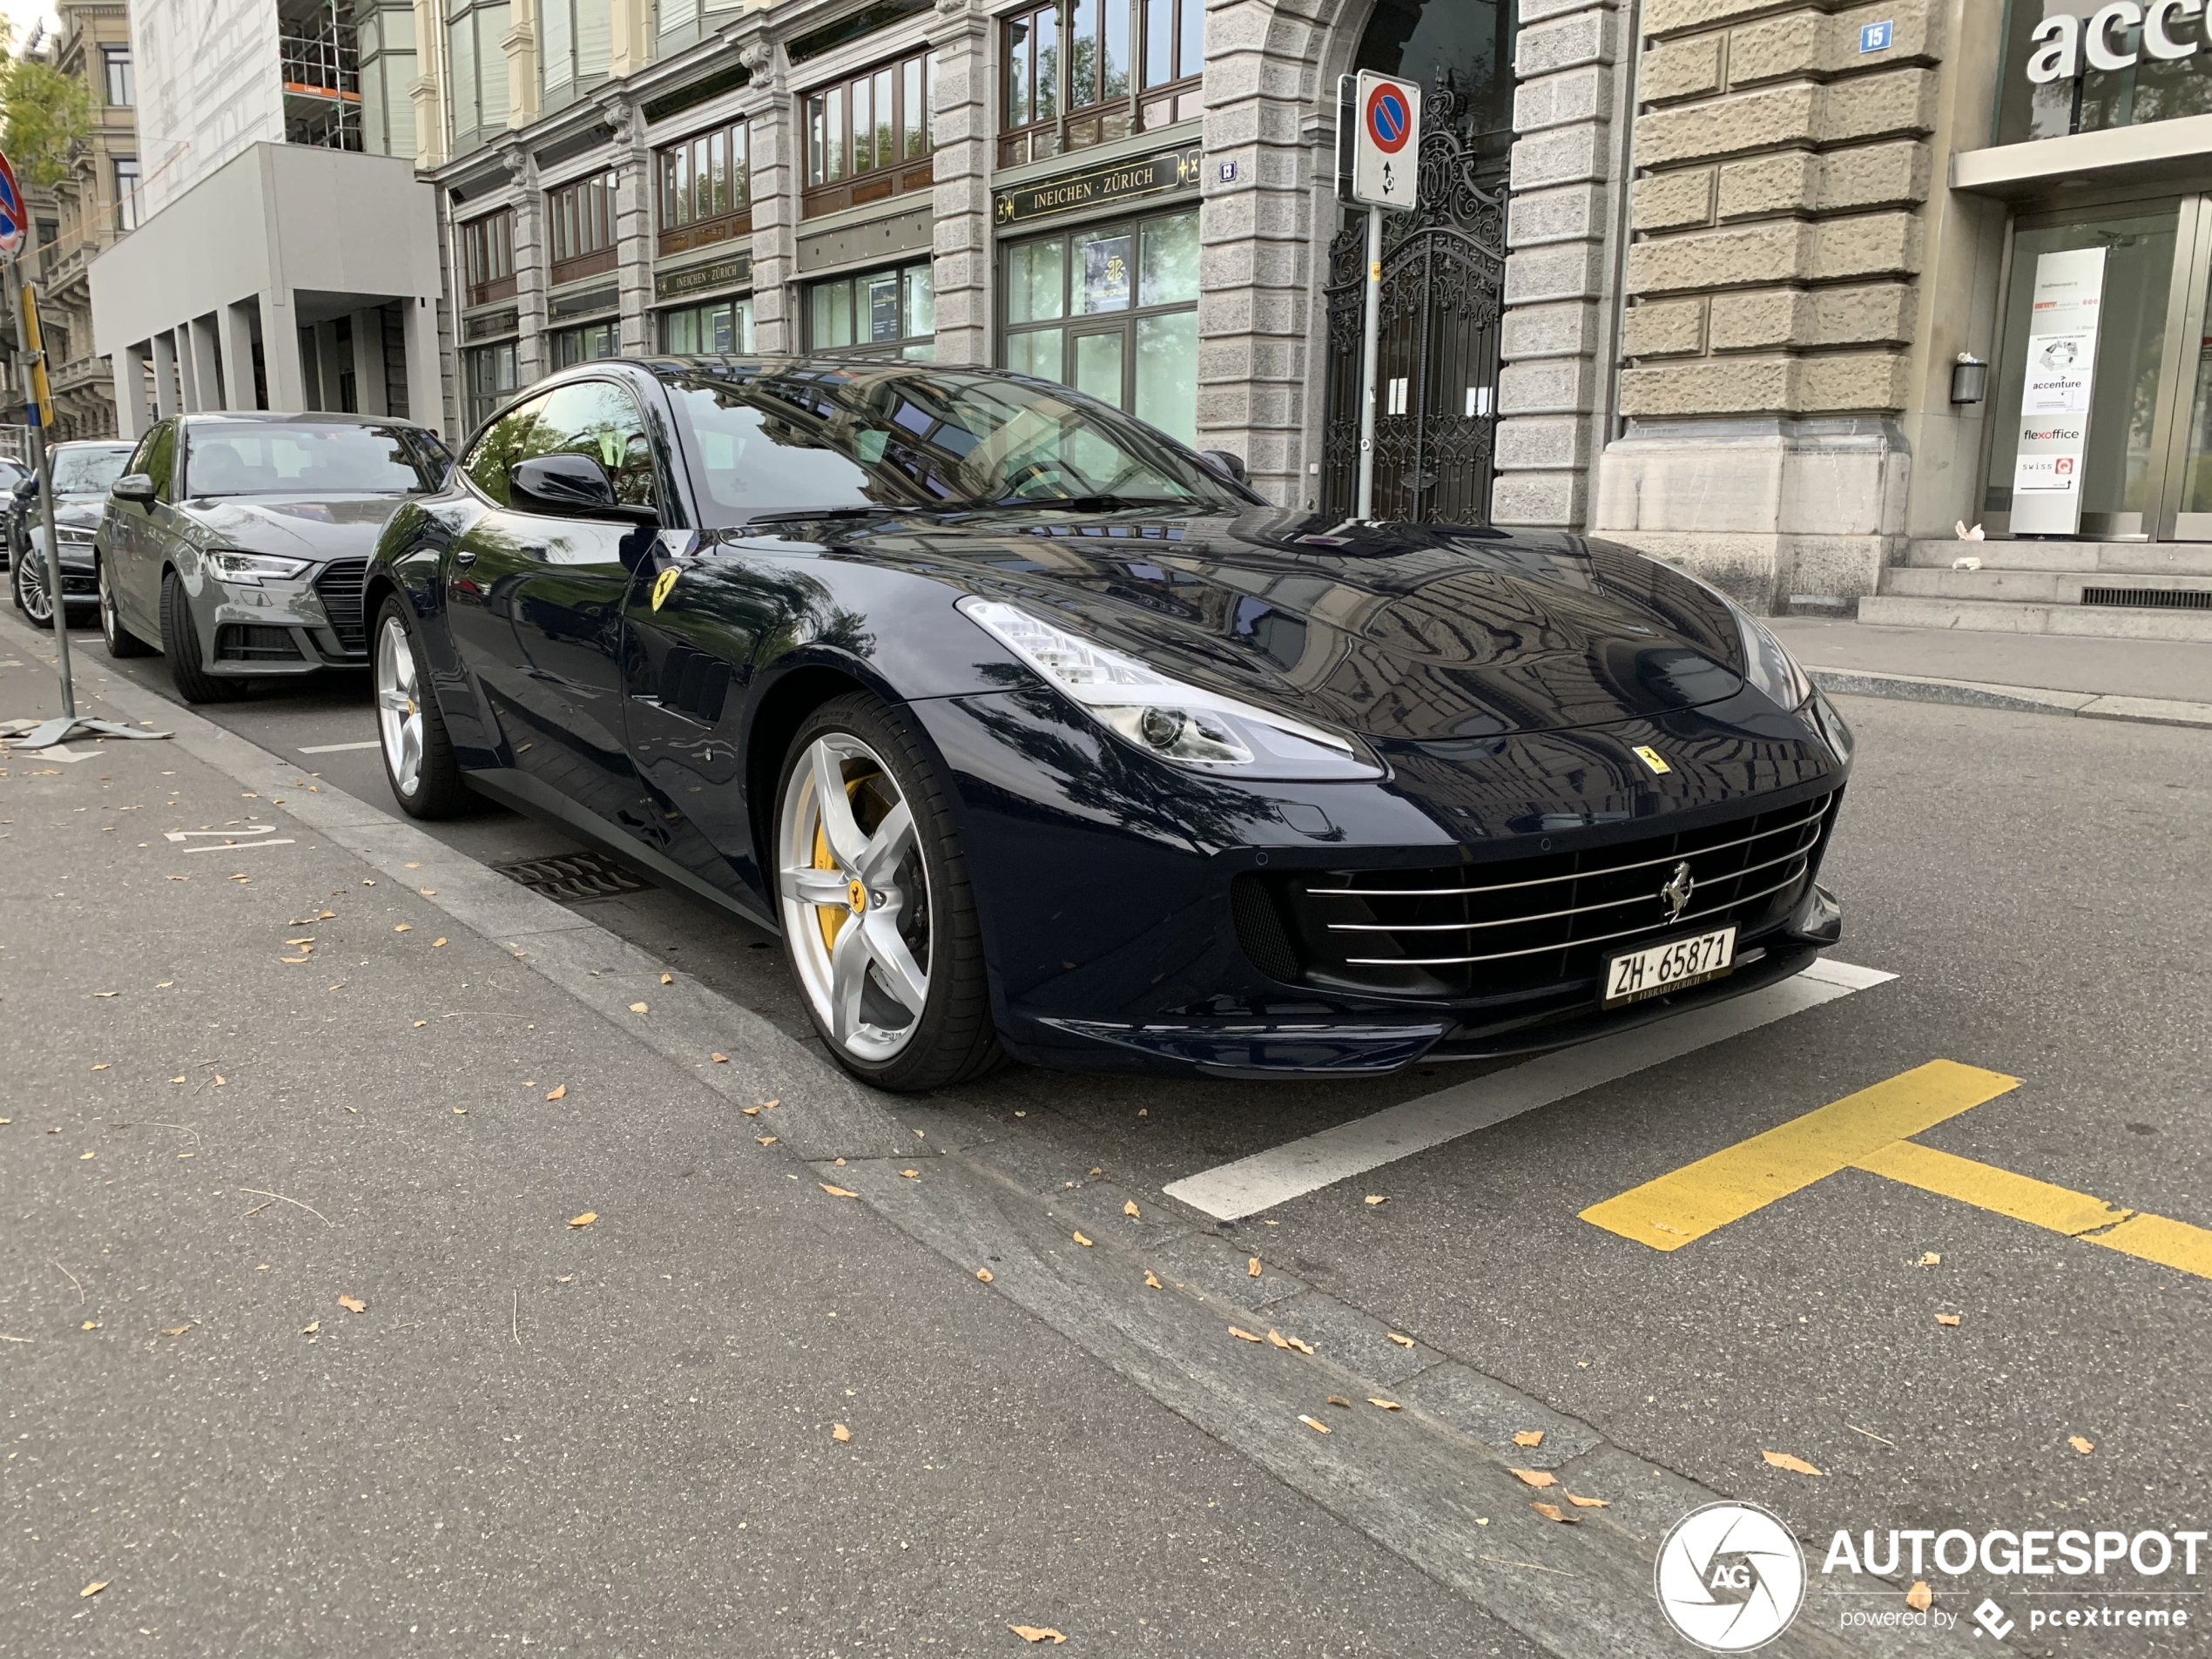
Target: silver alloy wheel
x=855, y=896
x=30, y=584
x=399, y=712
x=110, y=624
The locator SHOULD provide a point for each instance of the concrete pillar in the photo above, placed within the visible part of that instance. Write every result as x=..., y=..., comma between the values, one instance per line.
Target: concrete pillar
x=961, y=247
x=164, y=376
x=130, y=393
x=281, y=356
x=371, y=388
x=533, y=254
x=635, y=188
x=207, y=375
x=323, y=390
x=774, y=141
x=425, y=391
x=180, y=343
x=234, y=330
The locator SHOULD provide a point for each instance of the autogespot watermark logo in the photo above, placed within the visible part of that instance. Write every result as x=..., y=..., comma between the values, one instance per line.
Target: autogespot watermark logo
x=1730, y=1577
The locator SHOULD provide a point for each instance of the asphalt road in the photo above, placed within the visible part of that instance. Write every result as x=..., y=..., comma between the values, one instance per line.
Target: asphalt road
x=2034, y=884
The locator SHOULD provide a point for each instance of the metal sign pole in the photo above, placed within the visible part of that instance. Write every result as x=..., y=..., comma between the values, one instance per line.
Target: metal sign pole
x=1370, y=355
x=29, y=356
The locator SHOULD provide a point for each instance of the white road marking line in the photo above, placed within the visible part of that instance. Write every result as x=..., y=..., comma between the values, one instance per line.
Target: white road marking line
x=1232, y=1192
x=242, y=846
x=336, y=748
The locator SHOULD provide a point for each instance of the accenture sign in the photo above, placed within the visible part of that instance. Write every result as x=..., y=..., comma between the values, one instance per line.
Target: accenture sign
x=2116, y=36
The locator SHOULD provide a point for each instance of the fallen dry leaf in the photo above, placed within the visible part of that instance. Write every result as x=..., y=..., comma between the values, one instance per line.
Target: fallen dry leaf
x=1037, y=1632
x=90, y=1324
x=1403, y=1342
x=1302, y=1346
x=1387, y=1405
x=839, y=1431
x=560, y=1092
x=1589, y=1503
x=1080, y=1239
x=1946, y=1318
x=1537, y=1478
x=1278, y=1339
x=983, y=1274
x=1552, y=1512
x=1920, y=1598
x=93, y=1588
x=836, y=1193
x=1151, y=1280
x=404, y=928
x=176, y=1330
x=2080, y=1445
x=1339, y=1399
x=1128, y=1208
x=719, y=1059
x=668, y=979
x=1254, y=1270
x=1313, y=1423
x=911, y=1175
x=1242, y=1335
x=764, y=1140
x=103, y=1066
x=637, y=1008
x=353, y=1304
x=1378, y=1197
x=1931, y=1259
x=585, y=1219
x=418, y=1024
x=292, y=959
x=435, y=943
x=310, y=1328
x=1529, y=1437
x=1784, y=1460
x=750, y=1111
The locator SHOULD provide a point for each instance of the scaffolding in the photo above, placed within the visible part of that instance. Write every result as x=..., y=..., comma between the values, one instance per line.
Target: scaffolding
x=320, y=58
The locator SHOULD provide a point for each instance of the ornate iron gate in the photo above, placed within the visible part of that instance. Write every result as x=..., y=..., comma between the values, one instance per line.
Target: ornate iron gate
x=1443, y=279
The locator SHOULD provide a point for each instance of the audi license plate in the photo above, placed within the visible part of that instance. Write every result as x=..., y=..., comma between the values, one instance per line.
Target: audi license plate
x=1657, y=969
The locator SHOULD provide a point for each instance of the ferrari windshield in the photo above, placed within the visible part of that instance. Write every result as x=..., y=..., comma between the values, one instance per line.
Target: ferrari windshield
x=269, y=458
x=774, y=441
x=89, y=468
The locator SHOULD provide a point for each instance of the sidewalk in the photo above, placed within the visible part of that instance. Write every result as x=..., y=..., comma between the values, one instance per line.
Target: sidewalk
x=2161, y=681
x=251, y=1073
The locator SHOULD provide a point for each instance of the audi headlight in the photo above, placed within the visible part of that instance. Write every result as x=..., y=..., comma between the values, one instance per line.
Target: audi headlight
x=74, y=535
x=1198, y=730
x=251, y=569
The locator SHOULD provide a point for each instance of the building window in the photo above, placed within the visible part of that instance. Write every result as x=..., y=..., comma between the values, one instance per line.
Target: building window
x=477, y=68
x=126, y=193
x=718, y=329
x=492, y=374
x=1081, y=72
x=576, y=43
x=706, y=189
x=582, y=216
x=594, y=339
x=869, y=137
x=882, y=314
x=1111, y=310
x=386, y=38
x=488, y=257
x=122, y=90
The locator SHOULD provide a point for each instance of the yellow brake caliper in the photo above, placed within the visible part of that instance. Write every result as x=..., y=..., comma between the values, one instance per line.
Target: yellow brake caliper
x=830, y=918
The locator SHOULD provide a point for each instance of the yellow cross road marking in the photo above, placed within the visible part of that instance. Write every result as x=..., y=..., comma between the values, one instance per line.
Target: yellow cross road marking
x=1868, y=1131
x=1704, y=1196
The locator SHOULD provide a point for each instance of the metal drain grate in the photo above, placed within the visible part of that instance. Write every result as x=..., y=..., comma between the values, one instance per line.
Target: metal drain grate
x=2150, y=598
x=573, y=875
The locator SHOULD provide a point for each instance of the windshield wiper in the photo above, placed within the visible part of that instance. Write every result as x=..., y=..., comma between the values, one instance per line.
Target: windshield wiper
x=1092, y=503
x=799, y=516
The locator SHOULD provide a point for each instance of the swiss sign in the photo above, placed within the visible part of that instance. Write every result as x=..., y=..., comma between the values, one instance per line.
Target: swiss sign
x=1387, y=143
x=14, y=216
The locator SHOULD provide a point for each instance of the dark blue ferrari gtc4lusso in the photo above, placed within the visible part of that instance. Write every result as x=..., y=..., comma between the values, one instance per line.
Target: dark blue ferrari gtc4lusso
x=1032, y=732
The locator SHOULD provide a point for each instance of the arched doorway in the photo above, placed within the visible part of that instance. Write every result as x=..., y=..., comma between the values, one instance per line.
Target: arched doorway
x=1443, y=270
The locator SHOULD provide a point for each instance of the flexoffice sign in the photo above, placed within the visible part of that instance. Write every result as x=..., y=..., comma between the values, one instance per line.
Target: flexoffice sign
x=2065, y=44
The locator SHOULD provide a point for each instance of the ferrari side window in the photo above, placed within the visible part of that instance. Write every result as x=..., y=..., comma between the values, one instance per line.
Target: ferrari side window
x=522, y=434
x=598, y=419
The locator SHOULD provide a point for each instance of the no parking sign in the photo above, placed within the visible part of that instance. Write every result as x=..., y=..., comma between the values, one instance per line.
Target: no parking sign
x=15, y=218
x=1387, y=141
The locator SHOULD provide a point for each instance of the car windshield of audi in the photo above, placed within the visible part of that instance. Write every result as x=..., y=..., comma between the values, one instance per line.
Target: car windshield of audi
x=1033, y=733
x=235, y=544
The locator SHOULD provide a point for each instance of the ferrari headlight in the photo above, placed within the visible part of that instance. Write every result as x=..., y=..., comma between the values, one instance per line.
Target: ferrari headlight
x=253, y=569
x=1769, y=666
x=1199, y=729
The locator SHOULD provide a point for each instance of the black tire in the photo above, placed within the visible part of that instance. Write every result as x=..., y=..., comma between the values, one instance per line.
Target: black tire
x=180, y=643
x=119, y=640
x=438, y=789
x=955, y=1038
x=16, y=572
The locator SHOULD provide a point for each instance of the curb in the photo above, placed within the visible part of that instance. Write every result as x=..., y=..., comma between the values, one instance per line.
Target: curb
x=2023, y=699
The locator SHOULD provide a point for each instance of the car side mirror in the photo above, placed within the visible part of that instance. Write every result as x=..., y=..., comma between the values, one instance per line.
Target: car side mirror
x=1221, y=462
x=571, y=486
x=27, y=489
x=134, y=487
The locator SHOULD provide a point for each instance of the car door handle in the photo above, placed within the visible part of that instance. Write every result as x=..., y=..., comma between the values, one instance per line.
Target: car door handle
x=464, y=557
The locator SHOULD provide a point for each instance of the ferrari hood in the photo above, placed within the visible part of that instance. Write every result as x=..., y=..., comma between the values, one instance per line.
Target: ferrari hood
x=1404, y=633
x=299, y=527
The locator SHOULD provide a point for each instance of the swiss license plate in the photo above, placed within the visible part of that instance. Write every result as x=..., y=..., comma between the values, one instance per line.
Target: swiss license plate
x=1659, y=968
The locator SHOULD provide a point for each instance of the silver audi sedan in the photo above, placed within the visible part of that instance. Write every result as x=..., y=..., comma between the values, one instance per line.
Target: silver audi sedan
x=235, y=544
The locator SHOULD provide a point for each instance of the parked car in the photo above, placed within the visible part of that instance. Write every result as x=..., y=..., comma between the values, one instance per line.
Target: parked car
x=82, y=472
x=1033, y=731
x=12, y=473
x=235, y=544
